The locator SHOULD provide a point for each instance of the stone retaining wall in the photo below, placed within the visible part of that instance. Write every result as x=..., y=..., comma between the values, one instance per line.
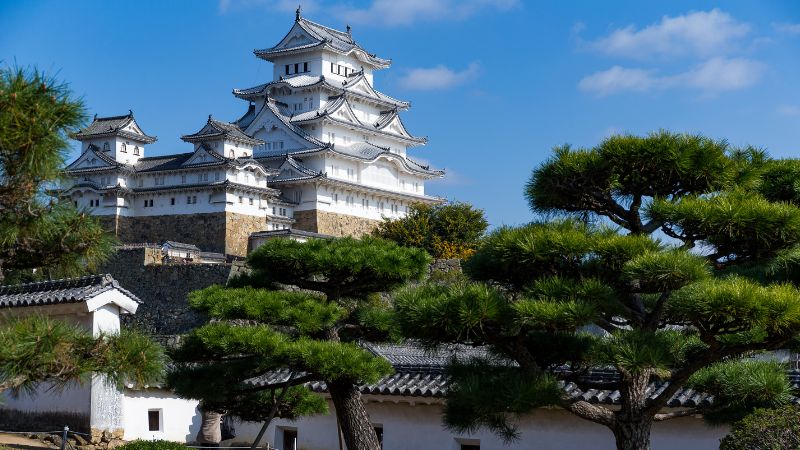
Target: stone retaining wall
x=333, y=224
x=164, y=290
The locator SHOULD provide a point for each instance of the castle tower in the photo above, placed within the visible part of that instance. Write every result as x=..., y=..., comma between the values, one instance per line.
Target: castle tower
x=118, y=137
x=339, y=144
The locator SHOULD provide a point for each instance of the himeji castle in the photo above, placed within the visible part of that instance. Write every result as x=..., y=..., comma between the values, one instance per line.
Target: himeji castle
x=319, y=149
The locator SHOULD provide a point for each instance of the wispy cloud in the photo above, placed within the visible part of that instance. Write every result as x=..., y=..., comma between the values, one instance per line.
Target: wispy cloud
x=710, y=77
x=787, y=28
x=789, y=110
x=408, y=12
x=438, y=78
x=702, y=33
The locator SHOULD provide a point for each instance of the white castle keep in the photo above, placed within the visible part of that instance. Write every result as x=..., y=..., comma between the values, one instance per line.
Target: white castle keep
x=319, y=149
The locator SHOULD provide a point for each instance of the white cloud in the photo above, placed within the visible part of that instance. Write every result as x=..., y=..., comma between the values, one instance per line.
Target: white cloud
x=438, y=78
x=408, y=12
x=788, y=28
x=617, y=79
x=710, y=77
x=789, y=110
x=698, y=33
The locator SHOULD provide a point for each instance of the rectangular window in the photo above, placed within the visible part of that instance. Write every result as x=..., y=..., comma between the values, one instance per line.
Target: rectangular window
x=240, y=199
x=470, y=446
x=188, y=200
x=251, y=200
x=154, y=420
x=296, y=67
x=289, y=439
x=333, y=68
x=379, y=433
x=273, y=210
x=287, y=69
x=172, y=201
x=194, y=199
x=305, y=67
x=183, y=179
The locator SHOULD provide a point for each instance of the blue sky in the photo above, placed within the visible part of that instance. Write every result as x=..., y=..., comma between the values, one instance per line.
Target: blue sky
x=494, y=84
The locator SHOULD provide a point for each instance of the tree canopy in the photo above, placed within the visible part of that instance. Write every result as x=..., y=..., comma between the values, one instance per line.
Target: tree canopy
x=449, y=230
x=42, y=236
x=563, y=297
x=296, y=318
x=38, y=231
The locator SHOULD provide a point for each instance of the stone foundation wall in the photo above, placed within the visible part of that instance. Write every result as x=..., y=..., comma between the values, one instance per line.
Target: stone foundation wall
x=206, y=231
x=164, y=290
x=223, y=232
x=334, y=224
x=238, y=228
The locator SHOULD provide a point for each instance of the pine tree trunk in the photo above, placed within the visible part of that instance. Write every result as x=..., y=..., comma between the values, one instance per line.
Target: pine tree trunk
x=356, y=426
x=632, y=427
x=632, y=435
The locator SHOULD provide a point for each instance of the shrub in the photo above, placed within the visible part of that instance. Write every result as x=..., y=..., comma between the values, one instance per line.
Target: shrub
x=765, y=429
x=152, y=445
x=451, y=230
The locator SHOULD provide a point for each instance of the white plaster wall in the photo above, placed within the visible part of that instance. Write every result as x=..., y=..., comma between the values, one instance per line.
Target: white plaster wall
x=419, y=427
x=74, y=398
x=180, y=418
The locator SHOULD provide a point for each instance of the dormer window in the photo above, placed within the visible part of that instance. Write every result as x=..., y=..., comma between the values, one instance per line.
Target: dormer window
x=124, y=148
x=136, y=150
x=106, y=148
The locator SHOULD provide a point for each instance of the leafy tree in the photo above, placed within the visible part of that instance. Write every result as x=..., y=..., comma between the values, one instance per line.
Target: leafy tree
x=687, y=311
x=41, y=236
x=265, y=343
x=765, y=429
x=451, y=230
x=37, y=349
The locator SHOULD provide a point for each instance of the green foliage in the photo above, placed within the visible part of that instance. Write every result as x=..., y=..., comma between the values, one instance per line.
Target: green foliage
x=484, y=394
x=153, y=445
x=338, y=268
x=264, y=343
x=451, y=230
x=36, y=349
x=737, y=311
x=739, y=386
x=780, y=181
x=667, y=313
x=37, y=232
x=612, y=178
x=740, y=225
x=766, y=429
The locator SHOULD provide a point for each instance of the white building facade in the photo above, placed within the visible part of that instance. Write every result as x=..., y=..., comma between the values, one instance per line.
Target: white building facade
x=319, y=150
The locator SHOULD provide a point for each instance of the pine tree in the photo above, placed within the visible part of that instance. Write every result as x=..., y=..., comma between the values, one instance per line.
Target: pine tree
x=264, y=343
x=42, y=236
x=688, y=310
x=38, y=231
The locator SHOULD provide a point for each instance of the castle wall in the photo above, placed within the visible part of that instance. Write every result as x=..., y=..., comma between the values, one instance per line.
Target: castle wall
x=206, y=231
x=333, y=224
x=238, y=228
x=164, y=290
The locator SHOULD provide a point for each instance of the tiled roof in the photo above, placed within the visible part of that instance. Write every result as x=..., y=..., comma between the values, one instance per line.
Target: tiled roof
x=420, y=372
x=214, y=129
x=72, y=290
x=112, y=126
x=181, y=245
x=298, y=81
x=339, y=41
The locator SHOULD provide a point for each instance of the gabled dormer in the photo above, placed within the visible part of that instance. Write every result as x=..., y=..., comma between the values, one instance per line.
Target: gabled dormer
x=120, y=138
x=225, y=138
